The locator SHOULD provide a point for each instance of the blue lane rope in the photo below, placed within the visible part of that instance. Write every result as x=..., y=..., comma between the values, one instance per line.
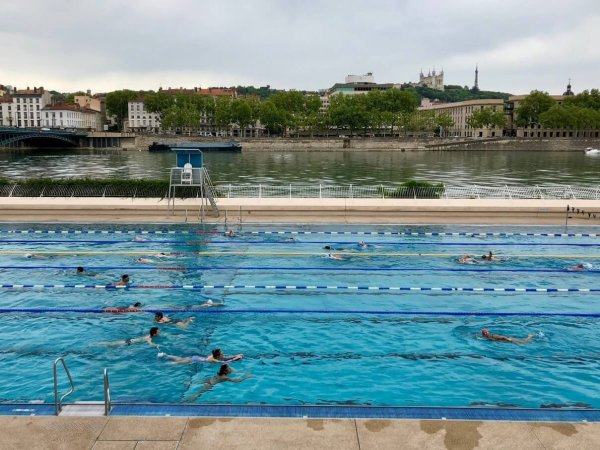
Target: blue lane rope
x=237, y=241
x=299, y=269
x=295, y=287
x=296, y=311
x=356, y=233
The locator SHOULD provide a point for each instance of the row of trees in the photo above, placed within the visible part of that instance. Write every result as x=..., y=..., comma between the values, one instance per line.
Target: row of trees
x=581, y=111
x=377, y=112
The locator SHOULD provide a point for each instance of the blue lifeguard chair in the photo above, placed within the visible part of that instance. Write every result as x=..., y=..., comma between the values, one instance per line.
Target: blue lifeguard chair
x=189, y=172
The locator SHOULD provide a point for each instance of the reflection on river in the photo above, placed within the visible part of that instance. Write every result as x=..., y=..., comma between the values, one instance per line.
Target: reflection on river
x=299, y=167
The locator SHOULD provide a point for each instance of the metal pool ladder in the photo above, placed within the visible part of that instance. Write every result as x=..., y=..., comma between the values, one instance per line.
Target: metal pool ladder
x=58, y=401
x=107, y=403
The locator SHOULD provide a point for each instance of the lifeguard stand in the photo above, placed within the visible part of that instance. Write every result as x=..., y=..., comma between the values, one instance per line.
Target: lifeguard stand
x=191, y=172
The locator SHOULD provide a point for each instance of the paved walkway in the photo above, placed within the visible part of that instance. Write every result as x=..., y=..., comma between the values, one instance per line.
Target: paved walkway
x=181, y=433
x=297, y=210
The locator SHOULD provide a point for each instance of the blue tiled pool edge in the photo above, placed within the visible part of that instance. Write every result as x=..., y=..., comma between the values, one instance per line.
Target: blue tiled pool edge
x=326, y=412
x=360, y=412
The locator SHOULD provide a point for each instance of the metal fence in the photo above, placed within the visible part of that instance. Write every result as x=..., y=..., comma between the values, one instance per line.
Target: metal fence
x=381, y=191
x=313, y=191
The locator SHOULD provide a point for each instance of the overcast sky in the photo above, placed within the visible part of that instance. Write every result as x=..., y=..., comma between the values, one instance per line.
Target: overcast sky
x=105, y=45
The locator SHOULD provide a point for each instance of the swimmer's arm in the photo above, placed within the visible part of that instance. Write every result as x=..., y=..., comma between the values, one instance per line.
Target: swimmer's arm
x=239, y=380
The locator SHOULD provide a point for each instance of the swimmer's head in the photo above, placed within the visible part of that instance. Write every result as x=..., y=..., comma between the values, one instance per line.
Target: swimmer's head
x=27, y=255
x=125, y=278
x=485, y=332
x=80, y=269
x=224, y=369
x=154, y=331
x=137, y=305
x=209, y=302
x=327, y=247
x=158, y=316
x=217, y=353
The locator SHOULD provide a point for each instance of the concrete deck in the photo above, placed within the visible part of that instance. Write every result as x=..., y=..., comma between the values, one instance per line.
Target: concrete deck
x=286, y=210
x=179, y=433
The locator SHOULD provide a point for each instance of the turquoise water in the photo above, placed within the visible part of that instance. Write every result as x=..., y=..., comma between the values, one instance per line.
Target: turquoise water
x=380, y=346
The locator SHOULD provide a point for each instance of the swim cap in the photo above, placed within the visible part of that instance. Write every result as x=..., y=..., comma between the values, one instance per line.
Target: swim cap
x=485, y=331
x=209, y=302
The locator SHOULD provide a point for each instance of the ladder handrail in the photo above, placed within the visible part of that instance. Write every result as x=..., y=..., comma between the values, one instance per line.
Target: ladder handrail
x=58, y=401
x=107, y=402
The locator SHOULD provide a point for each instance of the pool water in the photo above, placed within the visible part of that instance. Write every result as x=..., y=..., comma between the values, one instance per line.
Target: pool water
x=394, y=323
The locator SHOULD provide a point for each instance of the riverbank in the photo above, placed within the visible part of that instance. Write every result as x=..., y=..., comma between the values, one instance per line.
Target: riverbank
x=234, y=211
x=383, y=144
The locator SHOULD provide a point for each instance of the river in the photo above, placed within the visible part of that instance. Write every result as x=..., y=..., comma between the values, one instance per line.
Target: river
x=496, y=167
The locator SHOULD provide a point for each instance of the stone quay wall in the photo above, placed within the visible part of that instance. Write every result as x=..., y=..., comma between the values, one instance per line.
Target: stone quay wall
x=381, y=144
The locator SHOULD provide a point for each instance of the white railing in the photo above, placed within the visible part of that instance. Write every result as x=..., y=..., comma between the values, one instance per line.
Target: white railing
x=382, y=191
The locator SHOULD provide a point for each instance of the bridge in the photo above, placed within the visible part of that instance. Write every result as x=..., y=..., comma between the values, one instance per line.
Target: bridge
x=40, y=137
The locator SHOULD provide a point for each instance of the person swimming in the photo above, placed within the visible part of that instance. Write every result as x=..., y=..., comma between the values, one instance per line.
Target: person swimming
x=216, y=356
x=229, y=233
x=182, y=323
x=466, y=259
x=498, y=337
x=577, y=268
x=362, y=244
x=207, y=304
x=134, y=307
x=490, y=256
x=222, y=375
x=154, y=331
x=124, y=280
x=334, y=256
x=145, y=261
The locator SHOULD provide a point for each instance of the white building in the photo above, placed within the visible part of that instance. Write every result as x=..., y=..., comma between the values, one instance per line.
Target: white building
x=27, y=105
x=138, y=119
x=69, y=115
x=6, y=106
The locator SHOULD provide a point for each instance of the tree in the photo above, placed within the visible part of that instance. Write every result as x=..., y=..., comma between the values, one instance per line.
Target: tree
x=586, y=99
x=117, y=104
x=158, y=103
x=487, y=118
x=532, y=106
x=570, y=117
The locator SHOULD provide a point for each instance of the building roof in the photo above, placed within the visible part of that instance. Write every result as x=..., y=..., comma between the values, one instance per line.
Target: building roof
x=214, y=92
x=478, y=102
x=33, y=92
x=68, y=107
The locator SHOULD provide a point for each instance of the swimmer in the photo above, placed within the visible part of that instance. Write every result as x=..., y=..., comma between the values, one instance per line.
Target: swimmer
x=490, y=256
x=577, y=268
x=362, y=244
x=182, y=323
x=34, y=256
x=124, y=280
x=229, y=233
x=154, y=331
x=334, y=256
x=466, y=259
x=216, y=356
x=222, y=375
x=134, y=307
x=145, y=261
x=207, y=304
x=498, y=337
x=329, y=247
x=139, y=239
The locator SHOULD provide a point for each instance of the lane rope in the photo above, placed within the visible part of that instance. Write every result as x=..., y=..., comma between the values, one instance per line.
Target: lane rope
x=321, y=254
x=296, y=311
x=347, y=243
x=354, y=233
x=297, y=287
x=300, y=269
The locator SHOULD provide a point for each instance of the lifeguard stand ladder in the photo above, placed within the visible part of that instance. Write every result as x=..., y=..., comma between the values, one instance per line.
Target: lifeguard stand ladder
x=190, y=172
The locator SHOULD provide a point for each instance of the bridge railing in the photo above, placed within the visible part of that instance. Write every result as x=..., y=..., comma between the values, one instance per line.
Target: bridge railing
x=310, y=191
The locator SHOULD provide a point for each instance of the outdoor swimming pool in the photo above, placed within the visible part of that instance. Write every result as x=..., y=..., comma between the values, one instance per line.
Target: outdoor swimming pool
x=396, y=323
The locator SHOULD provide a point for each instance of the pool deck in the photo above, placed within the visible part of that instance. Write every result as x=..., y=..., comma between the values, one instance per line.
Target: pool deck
x=309, y=210
x=162, y=433
x=180, y=433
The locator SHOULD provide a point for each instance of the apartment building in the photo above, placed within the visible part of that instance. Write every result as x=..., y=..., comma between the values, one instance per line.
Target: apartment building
x=70, y=116
x=460, y=112
x=139, y=119
x=26, y=107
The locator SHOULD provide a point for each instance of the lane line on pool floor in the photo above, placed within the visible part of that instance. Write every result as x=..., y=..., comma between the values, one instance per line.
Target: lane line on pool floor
x=322, y=254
